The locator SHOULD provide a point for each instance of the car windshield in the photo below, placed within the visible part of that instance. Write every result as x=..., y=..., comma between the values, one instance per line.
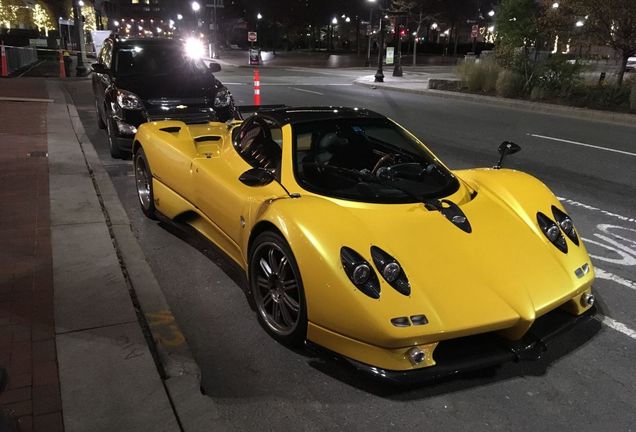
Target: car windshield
x=370, y=160
x=155, y=59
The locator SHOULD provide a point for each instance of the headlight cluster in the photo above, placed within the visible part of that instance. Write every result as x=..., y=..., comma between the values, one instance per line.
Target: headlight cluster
x=554, y=230
x=364, y=277
x=223, y=98
x=128, y=100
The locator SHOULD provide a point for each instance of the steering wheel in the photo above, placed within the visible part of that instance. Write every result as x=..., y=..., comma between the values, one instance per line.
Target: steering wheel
x=383, y=161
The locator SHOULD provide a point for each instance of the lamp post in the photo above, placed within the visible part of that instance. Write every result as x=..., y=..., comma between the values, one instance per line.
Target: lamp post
x=369, y=28
x=334, y=21
x=259, y=17
x=379, y=75
x=195, y=9
x=79, y=28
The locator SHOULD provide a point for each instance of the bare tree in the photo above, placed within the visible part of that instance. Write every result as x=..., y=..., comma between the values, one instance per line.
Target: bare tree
x=609, y=22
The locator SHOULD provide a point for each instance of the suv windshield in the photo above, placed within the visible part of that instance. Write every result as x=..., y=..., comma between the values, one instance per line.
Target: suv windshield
x=155, y=59
x=370, y=160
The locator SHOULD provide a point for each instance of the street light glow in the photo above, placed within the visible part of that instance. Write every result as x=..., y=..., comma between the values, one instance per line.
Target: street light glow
x=80, y=3
x=159, y=30
x=116, y=23
x=259, y=16
x=179, y=16
x=196, y=6
x=334, y=21
x=555, y=5
x=579, y=23
x=347, y=19
x=434, y=26
x=491, y=13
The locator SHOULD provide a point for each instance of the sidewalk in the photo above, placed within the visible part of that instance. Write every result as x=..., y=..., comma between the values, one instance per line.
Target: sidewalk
x=31, y=399
x=87, y=339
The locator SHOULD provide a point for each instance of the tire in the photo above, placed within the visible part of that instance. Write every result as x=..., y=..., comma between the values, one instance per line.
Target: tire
x=277, y=290
x=143, y=182
x=100, y=122
x=111, y=129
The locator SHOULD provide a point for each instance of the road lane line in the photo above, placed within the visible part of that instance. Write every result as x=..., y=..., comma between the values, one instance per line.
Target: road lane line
x=602, y=274
x=308, y=91
x=582, y=144
x=620, y=327
x=592, y=208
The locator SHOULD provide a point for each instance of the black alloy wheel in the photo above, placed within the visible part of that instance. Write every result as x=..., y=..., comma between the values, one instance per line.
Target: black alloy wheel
x=143, y=181
x=277, y=289
x=111, y=131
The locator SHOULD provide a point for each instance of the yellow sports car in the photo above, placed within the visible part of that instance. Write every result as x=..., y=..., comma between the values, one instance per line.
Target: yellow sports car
x=356, y=238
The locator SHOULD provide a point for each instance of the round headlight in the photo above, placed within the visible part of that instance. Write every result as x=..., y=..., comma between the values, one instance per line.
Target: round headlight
x=391, y=272
x=552, y=233
x=361, y=274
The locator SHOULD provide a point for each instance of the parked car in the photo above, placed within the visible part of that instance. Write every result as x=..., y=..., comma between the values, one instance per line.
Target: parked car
x=140, y=80
x=356, y=237
x=631, y=64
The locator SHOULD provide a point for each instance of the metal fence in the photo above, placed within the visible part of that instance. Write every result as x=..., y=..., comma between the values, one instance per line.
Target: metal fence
x=19, y=57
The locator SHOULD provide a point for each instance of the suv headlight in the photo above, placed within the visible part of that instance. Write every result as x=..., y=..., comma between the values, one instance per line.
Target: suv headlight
x=128, y=100
x=223, y=98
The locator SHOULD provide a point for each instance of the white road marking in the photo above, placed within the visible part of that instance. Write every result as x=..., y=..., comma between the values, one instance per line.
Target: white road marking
x=308, y=91
x=589, y=207
x=583, y=144
x=620, y=327
x=602, y=274
x=21, y=99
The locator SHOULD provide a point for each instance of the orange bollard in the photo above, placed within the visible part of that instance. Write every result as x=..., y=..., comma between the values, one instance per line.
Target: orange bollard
x=5, y=69
x=257, y=88
x=62, y=68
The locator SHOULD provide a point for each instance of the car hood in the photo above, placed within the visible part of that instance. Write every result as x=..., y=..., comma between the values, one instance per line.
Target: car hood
x=156, y=88
x=502, y=274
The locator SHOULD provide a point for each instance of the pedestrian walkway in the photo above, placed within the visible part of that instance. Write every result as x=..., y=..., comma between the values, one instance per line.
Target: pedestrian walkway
x=30, y=399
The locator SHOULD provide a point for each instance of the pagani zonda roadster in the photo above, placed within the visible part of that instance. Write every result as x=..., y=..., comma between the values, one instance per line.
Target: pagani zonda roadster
x=355, y=237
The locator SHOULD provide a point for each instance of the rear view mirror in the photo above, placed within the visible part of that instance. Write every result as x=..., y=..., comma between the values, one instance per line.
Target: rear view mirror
x=100, y=68
x=506, y=148
x=214, y=67
x=257, y=177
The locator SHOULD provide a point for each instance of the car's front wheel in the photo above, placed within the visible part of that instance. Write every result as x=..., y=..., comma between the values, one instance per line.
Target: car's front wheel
x=277, y=289
x=143, y=180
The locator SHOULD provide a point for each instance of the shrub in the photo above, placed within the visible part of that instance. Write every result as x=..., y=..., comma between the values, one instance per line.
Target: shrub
x=479, y=76
x=558, y=75
x=509, y=84
x=537, y=93
x=610, y=96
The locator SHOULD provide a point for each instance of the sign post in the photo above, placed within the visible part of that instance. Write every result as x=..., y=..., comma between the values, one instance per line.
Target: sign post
x=474, y=33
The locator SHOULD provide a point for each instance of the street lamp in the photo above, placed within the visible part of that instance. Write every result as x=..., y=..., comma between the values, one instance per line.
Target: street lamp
x=580, y=23
x=179, y=17
x=116, y=23
x=369, y=27
x=334, y=21
x=434, y=26
x=555, y=5
x=491, y=13
x=195, y=8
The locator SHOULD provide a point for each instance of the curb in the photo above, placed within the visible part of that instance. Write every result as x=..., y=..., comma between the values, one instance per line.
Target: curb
x=174, y=360
x=574, y=112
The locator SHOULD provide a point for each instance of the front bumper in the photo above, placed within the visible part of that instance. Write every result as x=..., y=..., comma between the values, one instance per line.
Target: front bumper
x=454, y=356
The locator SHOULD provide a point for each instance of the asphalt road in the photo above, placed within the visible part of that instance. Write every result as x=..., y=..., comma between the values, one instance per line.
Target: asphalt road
x=260, y=385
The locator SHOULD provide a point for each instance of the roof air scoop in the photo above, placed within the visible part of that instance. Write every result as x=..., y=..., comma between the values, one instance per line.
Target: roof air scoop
x=451, y=211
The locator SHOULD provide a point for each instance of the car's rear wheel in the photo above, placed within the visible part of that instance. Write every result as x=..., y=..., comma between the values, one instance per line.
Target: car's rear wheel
x=277, y=289
x=143, y=181
x=100, y=122
x=111, y=131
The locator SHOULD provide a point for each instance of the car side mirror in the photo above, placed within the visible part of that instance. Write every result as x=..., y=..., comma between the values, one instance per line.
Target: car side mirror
x=506, y=148
x=214, y=67
x=257, y=177
x=100, y=68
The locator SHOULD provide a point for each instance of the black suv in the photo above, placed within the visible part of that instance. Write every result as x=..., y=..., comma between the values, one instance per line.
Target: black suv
x=140, y=80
